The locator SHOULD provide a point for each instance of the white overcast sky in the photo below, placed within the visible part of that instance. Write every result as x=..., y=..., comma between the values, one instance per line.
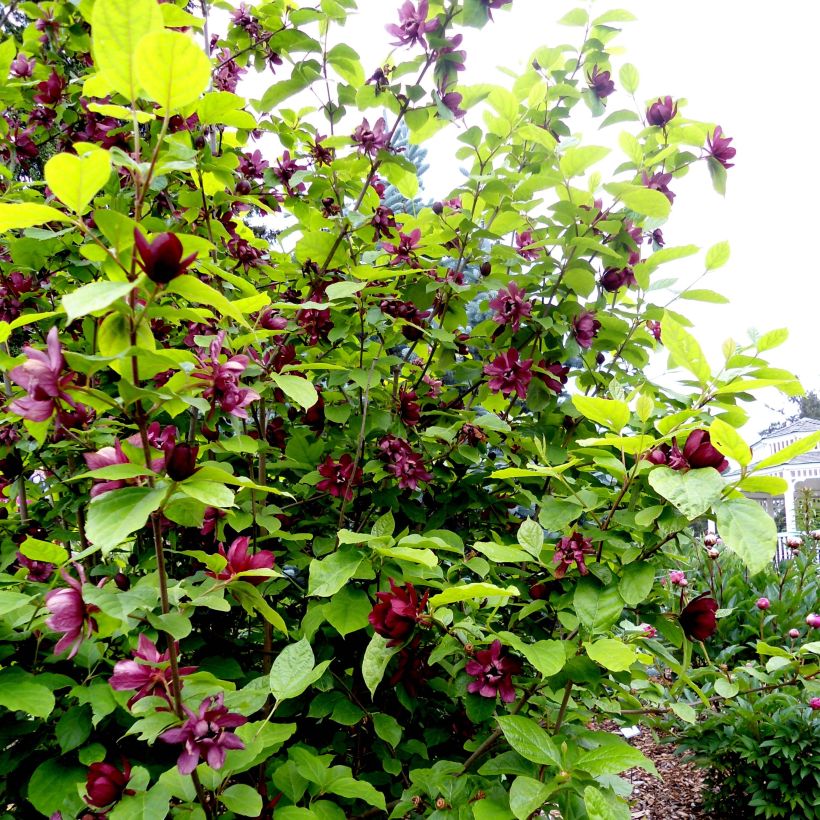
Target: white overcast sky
x=749, y=67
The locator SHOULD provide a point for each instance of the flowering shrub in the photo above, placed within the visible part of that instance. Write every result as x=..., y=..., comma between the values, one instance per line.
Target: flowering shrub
x=285, y=530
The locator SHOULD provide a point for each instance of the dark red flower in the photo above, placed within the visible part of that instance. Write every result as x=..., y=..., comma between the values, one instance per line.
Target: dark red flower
x=106, y=784
x=510, y=306
x=409, y=408
x=600, y=83
x=493, y=671
x=412, y=670
x=698, y=619
x=38, y=571
x=371, y=140
x=397, y=612
x=509, y=374
x=717, y=147
x=240, y=561
x=585, y=328
x=554, y=375
x=339, y=477
x=654, y=328
x=700, y=452
x=409, y=469
x=572, y=549
x=615, y=278
x=522, y=241
x=162, y=259
x=404, y=250
x=180, y=460
x=661, y=112
x=659, y=182
x=208, y=733
x=51, y=90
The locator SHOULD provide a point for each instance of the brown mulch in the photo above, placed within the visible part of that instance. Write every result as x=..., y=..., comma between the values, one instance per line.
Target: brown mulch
x=677, y=796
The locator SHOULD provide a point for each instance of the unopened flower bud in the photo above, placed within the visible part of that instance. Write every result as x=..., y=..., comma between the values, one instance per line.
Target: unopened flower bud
x=438, y=208
x=122, y=582
x=243, y=187
x=486, y=269
x=813, y=620
x=180, y=461
x=763, y=603
x=794, y=633
x=710, y=539
x=713, y=554
x=441, y=803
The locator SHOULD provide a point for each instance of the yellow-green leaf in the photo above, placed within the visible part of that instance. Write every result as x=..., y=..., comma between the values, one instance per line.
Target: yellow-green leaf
x=117, y=26
x=17, y=215
x=729, y=442
x=172, y=69
x=608, y=412
x=76, y=180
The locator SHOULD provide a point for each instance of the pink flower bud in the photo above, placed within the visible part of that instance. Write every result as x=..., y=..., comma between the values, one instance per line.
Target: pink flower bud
x=794, y=633
x=763, y=603
x=813, y=620
x=815, y=703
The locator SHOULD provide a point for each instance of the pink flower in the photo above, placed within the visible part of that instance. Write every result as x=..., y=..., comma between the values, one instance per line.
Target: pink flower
x=207, y=734
x=571, y=550
x=105, y=784
x=149, y=675
x=404, y=250
x=222, y=380
x=717, y=147
x=371, y=141
x=239, y=561
x=510, y=306
x=661, y=112
x=106, y=457
x=38, y=571
x=508, y=374
x=408, y=468
x=339, y=477
x=70, y=614
x=813, y=620
x=814, y=703
x=522, y=240
x=794, y=633
x=493, y=673
x=649, y=631
x=585, y=328
x=22, y=66
x=413, y=25
x=763, y=603
x=678, y=578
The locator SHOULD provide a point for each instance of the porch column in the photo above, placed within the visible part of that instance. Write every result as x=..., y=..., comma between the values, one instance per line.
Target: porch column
x=791, y=517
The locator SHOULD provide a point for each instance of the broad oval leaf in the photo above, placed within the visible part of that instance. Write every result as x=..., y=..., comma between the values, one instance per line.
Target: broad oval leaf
x=172, y=69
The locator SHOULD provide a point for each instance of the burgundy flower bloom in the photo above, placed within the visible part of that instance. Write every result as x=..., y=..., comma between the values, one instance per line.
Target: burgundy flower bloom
x=408, y=468
x=316, y=324
x=21, y=66
x=493, y=673
x=40, y=376
x=413, y=25
x=717, y=147
x=252, y=165
x=106, y=784
x=38, y=571
x=655, y=329
x=614, y=279
x=321, y=154
x=222, y=380
x=656, y=238
x=162, y=259
x=384, y=221
x=371, y=141
x=397, y=612
x=698, y=619
x=659, y=182
x=699, y=452
x=239, y=561
x=285, y=168
x=522, y=240
x=106, y=457
x=381, y=78
x=180, y=460
x=394, y=448
x=572, y=549
x=585, y=328
x=555, y=375
x=600, y=83
x=339, y=477
x=207, y=734
x=410, y=314
x=403, y=251
x=451, y=100
x=508, y=374
x=70, y=614
x=661, y=112
x=409, y=408
x=228, y=72
x=510, y=306
x=51, y=90
x=148, y=675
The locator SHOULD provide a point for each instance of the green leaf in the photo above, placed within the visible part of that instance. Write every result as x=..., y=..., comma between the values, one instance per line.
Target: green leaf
x=114, y=515
x=471, y=592
x=174, y=623
x=376, y=657
x=34, y=699
x=685, y=712
x=607, y=412
x=725, y=688
x=576, y=17
x=330, y=574
x=769, y=484
x=346, y=786
x=224, y=108
x=612, y=654
x=748, y=531
x=76, y=180
x=613, y=757
x=718, y=174
x=44, y=551
x=684, y=349
x=425, y=557
x=529, y=740
x=94, y=296
x=294, y=670
x=208, y=492
x=729, y=442
x=116, y=29
x=692, y=492
x=772, y=339
x=387, y=728
x=347, y=65
x=73, y=728
x=629, y=77
x=636, y=582
x=242, y=799
x=474, y=14
x=296, y=389
x=172, y=69
x=531, y=537
x=647, y=202
x=9, y=601
x=196, y=291
x=347, y=610
x=17, y=215
x=598, y=607
x=55, y=786
x=548, y=657
x=797, y=448
x=527, y=795
x=700, y=295
x=252, y=601
x=604, y=806
x=577, y=160
x=501, y=553
x=716, y=257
